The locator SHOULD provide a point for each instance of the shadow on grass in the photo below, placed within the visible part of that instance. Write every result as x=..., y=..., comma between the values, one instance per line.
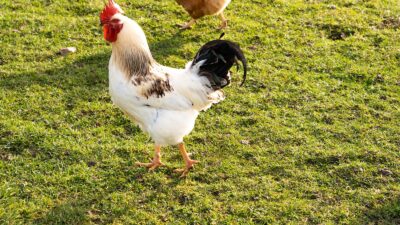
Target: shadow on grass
x=386, y=214
x=87, y=72
x=102, y=207
x=83, y=80
x=169, y=46
x=68, y=213
x=174, y=46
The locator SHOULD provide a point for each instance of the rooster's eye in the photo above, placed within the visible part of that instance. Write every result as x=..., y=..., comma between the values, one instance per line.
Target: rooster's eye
x=115, y=21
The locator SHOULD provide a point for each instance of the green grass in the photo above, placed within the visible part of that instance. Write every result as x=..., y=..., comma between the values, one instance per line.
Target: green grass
x=312, y=138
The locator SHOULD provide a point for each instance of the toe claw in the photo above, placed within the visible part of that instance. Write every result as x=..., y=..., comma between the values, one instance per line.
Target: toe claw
x=142, y=164
x=223, y=25
x=185, y=171
x=179, y=170
x=155, y=166
x=185, y=28
x=151, y=166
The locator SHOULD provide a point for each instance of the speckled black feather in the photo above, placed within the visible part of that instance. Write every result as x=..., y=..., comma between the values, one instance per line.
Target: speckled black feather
x=220, y=55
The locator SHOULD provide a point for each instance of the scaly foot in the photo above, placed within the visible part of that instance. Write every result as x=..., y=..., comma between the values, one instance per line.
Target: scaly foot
x=152, y=166
x=223, y=25
x=187, y=25
x=184, y=171
x=184, y=26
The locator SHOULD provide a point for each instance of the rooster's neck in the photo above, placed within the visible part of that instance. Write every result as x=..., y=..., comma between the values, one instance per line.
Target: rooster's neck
x=131, y=51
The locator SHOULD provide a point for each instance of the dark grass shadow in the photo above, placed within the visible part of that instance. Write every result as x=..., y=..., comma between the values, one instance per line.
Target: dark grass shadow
x=87, y=72
x=82, y=80
x=67, y=213
x=89, y=207
x=171, y=45
x=388, y=213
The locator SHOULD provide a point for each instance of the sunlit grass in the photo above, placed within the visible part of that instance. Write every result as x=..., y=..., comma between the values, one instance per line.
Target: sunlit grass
x=313, y=137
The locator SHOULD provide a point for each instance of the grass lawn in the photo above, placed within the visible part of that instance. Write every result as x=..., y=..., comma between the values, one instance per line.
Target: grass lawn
x=313, y=137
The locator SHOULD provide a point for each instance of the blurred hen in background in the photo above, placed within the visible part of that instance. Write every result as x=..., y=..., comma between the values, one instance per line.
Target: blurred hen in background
x=200, y=8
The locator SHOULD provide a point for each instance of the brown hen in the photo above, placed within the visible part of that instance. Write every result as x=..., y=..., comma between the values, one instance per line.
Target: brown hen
x=200, y=8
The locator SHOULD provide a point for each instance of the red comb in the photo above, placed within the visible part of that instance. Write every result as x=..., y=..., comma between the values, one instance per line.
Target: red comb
x=109, y=10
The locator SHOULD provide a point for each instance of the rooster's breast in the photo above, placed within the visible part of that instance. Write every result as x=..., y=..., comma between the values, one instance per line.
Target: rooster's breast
x=165, y=126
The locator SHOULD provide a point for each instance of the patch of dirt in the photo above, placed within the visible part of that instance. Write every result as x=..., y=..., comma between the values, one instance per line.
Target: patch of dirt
x=390, y=23
x=337, y=32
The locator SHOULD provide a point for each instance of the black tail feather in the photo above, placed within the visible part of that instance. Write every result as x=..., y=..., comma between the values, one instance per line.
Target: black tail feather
x=219, y=56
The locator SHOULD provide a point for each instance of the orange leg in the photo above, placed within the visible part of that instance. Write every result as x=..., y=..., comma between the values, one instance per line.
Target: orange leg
x=224, y=23
x=156, y=162
x=189, y=163
x=187, y=25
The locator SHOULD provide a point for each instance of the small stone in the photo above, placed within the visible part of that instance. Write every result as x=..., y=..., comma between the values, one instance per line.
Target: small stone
x=91, y=163
x=332, y=7
x=33, y=152
x=245, y=142
x=359, y=170
x=92, y=213
x=164, y=217
x=379, y=79
x=253, y=47
x=66, y=51
x=5, y=157
x=385, y=172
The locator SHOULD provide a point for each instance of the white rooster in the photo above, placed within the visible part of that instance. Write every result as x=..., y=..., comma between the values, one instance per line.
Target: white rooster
x=163, y=101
